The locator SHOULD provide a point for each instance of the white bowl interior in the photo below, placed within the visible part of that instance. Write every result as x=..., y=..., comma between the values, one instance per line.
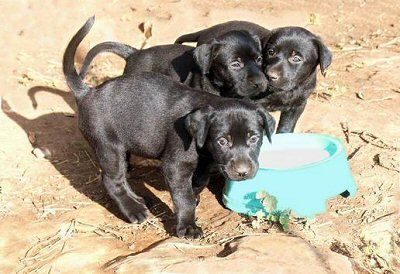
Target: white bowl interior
x=295, y=150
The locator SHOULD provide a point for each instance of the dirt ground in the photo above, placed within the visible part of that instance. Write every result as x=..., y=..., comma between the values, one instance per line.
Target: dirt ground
x=54, y=212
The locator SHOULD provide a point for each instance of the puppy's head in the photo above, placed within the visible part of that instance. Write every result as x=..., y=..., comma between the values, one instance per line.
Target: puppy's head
x=233, y=135
x=292, y=55
x=233, y=63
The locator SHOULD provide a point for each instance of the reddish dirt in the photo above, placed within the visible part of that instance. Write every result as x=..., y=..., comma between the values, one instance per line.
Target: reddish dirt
x=55, y=214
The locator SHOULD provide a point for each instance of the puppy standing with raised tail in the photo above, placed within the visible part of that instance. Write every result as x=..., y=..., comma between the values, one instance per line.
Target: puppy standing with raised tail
x=189, y=131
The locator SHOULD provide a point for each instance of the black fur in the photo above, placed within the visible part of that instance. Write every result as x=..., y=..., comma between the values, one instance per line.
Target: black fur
x=150, y=115
x=290, y=82
x=230, y=66
x=120, y=49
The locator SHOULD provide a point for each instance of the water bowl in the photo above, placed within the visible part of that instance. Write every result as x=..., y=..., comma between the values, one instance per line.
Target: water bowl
x=301, y=170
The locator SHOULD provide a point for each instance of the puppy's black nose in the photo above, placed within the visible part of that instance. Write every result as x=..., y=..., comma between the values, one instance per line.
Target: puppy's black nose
x=242, y=169
x=259, y=83
x=273, y=76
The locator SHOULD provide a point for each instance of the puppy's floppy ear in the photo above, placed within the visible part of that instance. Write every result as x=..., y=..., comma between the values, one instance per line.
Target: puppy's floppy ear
x=269, y=122
x=204, y=54
x=324, y=56
x=197, y=124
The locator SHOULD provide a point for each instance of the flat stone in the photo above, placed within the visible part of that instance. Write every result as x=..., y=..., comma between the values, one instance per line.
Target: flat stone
x=250, y=254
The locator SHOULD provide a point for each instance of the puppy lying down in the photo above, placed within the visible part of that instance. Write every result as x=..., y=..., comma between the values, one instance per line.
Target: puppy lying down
x=149, y=115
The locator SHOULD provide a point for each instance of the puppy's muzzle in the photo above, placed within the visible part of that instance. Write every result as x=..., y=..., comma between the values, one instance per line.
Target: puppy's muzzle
x=255, y=85
x=273, y=76
x=241, y=170
x=259, y=83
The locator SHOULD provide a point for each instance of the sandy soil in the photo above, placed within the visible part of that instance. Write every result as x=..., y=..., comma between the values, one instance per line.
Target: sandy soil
x=55, y=215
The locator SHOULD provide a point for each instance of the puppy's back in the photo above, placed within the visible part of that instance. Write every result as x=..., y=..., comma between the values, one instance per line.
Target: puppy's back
x=206, y=35
x=174, y=60
x=138, y=111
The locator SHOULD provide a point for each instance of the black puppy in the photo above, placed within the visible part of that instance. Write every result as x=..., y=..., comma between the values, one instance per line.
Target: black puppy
x=150, y=115
x=230, y=66
x=291, y=56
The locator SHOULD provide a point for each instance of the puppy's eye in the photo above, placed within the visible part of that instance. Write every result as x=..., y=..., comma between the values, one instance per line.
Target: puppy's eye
x=296, y=59
x=271, y=53
x=259, y=60
x=222, y=142
x=253, y=139
x=237, y=65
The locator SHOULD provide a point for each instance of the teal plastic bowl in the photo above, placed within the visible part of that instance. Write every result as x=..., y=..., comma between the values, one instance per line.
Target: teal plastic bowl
x=304, y=185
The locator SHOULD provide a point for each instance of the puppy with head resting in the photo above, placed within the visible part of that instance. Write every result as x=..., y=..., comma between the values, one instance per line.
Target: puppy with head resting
x=230, y=66
x=291, y=57
x=150, y=115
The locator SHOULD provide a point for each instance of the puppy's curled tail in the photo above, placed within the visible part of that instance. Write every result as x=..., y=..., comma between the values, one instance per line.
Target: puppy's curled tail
x=74, y=82
x=119, y=49
x=190, y=37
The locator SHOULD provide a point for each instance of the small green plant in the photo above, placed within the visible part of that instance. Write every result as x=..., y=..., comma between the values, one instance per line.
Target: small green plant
x=269, y=202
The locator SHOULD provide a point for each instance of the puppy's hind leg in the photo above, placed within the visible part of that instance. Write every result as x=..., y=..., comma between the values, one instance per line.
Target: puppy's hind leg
x=112, y=159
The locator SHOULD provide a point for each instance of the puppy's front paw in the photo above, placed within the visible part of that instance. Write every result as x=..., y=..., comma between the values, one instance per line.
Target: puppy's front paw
x=136, y=213
x=189, y=231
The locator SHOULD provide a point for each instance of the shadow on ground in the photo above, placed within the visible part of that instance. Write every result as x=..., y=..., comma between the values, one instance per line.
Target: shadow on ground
x=71, y=155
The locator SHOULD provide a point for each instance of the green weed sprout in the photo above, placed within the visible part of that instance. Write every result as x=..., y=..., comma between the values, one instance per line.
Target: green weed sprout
x=269, y=202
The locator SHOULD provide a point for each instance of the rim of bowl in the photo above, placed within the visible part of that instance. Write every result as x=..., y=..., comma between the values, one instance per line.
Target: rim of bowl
x=332, y=139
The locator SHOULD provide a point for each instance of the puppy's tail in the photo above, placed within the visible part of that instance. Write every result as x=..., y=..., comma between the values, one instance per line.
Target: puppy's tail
x=74, y=82
x=119, y=49
x=190, y=37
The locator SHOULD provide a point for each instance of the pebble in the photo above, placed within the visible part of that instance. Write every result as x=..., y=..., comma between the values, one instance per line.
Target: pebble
x=41, y=153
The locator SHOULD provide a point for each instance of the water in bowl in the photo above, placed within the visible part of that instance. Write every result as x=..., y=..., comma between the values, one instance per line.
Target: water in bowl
x=290, y=158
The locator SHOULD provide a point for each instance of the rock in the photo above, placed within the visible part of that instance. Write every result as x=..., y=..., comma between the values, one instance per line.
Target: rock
x=146, y=29
x=41, y=153
x=250, y=254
